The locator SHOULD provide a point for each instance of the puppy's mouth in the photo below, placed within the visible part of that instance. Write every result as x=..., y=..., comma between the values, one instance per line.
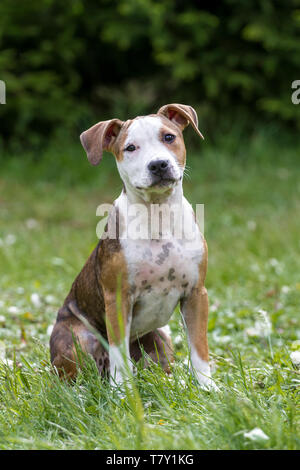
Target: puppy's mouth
x=161, y=183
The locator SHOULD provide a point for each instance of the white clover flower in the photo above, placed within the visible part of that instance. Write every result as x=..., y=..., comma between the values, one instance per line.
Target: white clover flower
x=224, y=339
x=35, y=300
x=285, y=289
x=295, y=358
x=221, y=339
x=266, y=322
x=57, y=261
x=50, y=299
x=251, y=224
x=31, y=223
x=214, y=307
x=13, y=309
x=251, y=331
x=177, y=340
x=256, y=435
x=10, y=239
x=255, y=267
x=8, y=362
x=3, y=357
x=276, y=265
x=262, y=327
x=2, y=351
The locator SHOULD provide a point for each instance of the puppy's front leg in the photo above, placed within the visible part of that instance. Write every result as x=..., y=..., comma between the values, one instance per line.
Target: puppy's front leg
x=194, y=309
x=118, y=323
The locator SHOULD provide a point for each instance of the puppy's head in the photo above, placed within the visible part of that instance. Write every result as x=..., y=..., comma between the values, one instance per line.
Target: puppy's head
x=149, y=150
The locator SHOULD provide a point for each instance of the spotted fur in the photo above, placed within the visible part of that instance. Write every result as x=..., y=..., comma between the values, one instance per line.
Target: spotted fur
x=151, y=275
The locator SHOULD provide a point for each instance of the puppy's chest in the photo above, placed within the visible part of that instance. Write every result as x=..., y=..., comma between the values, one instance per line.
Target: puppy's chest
x=160, y=273
x=161, y=264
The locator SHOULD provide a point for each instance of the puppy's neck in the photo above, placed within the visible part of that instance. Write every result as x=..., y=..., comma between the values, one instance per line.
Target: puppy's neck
x=147, y=197
x=150, y=217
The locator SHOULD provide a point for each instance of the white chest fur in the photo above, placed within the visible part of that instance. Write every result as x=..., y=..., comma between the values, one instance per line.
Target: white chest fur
x=161, y=272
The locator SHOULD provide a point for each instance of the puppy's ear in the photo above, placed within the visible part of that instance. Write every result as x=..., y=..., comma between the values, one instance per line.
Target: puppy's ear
x=182, y=115
x=100, y=137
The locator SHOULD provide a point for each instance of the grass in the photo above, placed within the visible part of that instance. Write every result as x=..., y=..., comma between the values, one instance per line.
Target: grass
x=251, y=192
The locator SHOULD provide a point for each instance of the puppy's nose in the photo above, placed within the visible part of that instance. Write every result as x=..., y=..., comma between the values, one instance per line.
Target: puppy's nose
x=158, y=167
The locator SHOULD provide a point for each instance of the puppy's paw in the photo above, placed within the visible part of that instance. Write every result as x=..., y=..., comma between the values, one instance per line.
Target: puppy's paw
x=200, y=369
x=205, y=380
x=119, y=392
x=120, y=386
x=208, y=384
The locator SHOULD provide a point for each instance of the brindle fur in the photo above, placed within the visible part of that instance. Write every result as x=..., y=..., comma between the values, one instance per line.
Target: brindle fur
x=86, y=297
x=93, y=295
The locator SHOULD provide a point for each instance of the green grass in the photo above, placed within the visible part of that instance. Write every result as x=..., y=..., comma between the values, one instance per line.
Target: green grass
x=251, y=193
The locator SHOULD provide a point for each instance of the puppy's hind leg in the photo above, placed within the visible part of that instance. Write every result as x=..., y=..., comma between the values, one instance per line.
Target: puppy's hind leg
x=65, y=354
x=158, y=345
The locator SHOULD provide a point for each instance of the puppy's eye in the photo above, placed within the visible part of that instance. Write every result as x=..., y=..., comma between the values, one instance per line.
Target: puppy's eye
x=169, y=137
x=130, y=148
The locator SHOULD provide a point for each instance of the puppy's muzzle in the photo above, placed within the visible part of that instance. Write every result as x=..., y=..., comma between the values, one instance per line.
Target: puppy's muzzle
x=158, y=167
x=161, y=172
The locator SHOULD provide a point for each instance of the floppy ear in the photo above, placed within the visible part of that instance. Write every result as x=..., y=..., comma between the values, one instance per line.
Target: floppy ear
x=100, y=137
x=182, y=115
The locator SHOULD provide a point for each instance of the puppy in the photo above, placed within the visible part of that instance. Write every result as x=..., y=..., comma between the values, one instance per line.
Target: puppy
x=134, y=278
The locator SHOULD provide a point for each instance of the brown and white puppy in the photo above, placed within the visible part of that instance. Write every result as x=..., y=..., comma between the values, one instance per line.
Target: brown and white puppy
x=149, y=275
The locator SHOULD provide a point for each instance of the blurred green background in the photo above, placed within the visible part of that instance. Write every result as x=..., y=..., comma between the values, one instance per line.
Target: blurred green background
x=69, y=64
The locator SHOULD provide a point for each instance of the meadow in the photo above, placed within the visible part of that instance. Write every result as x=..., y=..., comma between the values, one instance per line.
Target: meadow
x=250, y=186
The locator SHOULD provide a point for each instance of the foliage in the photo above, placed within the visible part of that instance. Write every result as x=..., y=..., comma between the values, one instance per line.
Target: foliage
x=67, y=64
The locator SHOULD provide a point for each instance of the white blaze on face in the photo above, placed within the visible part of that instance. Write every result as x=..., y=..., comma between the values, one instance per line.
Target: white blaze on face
x=145, y=134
